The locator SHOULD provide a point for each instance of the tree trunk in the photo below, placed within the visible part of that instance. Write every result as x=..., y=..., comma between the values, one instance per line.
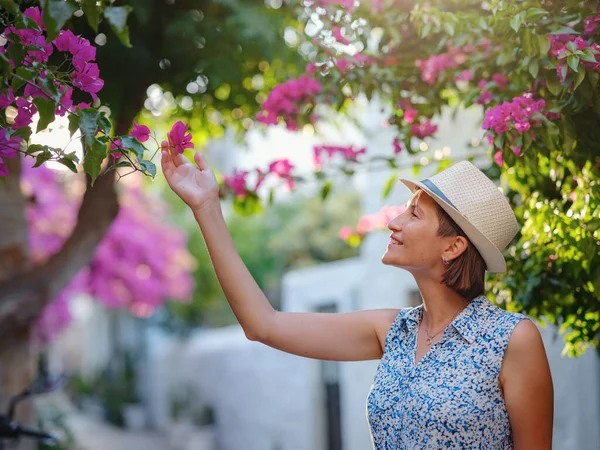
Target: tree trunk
x=25, y=290
x=16, y=360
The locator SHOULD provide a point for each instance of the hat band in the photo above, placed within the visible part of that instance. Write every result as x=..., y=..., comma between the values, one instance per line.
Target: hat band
x=437, y=192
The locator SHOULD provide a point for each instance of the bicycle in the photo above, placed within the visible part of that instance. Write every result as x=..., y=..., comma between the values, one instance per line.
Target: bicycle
x=12, y=431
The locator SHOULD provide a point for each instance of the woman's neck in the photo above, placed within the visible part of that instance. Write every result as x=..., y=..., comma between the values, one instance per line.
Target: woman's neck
x=440, y=303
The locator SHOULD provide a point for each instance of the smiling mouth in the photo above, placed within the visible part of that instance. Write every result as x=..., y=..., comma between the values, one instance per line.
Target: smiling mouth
x=394, y=242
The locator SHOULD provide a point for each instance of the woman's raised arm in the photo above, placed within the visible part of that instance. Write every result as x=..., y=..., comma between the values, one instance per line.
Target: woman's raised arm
x=349, y=336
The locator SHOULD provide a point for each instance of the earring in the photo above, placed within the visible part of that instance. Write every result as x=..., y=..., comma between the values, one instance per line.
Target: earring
x=445, y=260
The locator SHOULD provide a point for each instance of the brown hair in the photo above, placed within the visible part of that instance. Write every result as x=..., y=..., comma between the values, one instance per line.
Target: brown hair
x=465, y=274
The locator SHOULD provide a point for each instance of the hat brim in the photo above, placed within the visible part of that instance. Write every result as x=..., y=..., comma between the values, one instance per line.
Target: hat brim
x=494, y=259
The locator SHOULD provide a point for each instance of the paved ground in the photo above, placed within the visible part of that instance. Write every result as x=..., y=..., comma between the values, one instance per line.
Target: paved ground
x=95, y=435
x=92, y=433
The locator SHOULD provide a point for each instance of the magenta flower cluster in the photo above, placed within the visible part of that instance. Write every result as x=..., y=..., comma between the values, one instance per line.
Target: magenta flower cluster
x=348, y=153
x=514, y=115
x=85, y=75
x=290, y=101
x=139, y=264
x=372, y=222
x=558, y=48
x=432, y=67
x=280, y=168
x=515, y=118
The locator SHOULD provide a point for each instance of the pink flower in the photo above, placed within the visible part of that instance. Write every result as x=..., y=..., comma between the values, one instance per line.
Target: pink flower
x=88, y=79
x=9, y=146
x=36, y=15
x=410, y=114
x=423, y=129
x=259, y=179
x=397, y=146
x=343, y=65
x=237, y=182
x=345, y=233
x=180, y=140
x=25, y=111
x=465, y=75
x=288, y=100
x=498, y=158
x=500, y=80
x=140, y=132
x=281, y=167
x=485, y=97
x=115, y=146
x=62, y=42
x=337, y=34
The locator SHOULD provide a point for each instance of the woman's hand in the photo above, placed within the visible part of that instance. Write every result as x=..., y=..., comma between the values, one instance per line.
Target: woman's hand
x=195, y=185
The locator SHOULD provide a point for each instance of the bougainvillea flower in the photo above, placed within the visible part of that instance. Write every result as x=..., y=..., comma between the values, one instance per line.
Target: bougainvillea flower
x=179, y=139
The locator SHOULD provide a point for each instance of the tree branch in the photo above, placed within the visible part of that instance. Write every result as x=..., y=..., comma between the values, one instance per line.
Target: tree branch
x=23, y=296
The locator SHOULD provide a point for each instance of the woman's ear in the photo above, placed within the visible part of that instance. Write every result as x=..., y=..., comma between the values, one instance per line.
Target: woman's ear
x=458, y=245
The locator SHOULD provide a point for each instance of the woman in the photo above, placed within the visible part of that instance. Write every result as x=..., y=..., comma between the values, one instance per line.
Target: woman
x=456, y=372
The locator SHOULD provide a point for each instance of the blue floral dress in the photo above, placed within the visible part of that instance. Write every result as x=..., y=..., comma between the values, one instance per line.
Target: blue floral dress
x=451, y=398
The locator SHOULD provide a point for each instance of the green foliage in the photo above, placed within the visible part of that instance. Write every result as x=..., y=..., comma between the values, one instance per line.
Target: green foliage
x=554, y=262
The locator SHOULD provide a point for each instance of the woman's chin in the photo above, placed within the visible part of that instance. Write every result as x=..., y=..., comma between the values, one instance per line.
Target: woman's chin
x=389, y=260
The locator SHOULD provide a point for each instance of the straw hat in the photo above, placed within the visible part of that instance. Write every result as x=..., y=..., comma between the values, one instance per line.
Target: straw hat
x=477, y=206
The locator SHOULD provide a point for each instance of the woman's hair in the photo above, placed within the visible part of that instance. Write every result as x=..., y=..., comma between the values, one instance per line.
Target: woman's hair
x=466, y=273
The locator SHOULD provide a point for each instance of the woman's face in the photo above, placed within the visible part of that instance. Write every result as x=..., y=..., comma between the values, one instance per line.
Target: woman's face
x=414, y=243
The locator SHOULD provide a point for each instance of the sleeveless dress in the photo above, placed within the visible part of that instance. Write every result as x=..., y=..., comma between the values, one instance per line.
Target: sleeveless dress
x=451, y=399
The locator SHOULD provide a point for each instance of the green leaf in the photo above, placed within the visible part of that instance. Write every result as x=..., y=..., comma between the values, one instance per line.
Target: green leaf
x=46, y=109
x=50, y=88
x=34, y=148
x=9, y=5
x=68, y=163
x=247, y=206
x=553, y=85
x=573, y=62
x=450, y=28
x=73, y=124
x=389, y=184
x=579, y=77
x=534, y=68
x=563, y=72
x=117, y=18
x=499, y=141
x=128, y=142
x=544, y=45
x=22, y=76
x=148, y=167
x=326, y=189
x=94, y=154
x=92, y=14
x=43, y=157
x=23, y=132
x=516, y=22
x=16, y=53
x=56, y=14
x=564, y=30
x=271, y=196
x=533, y=13
x=589, y=57
x=527, y=42
x=105, y=123
x=89, y=124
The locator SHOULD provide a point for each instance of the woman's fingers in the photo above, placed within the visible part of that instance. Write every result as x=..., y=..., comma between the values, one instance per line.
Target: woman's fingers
x=177, y=158
x=199, y=158
x=166, y=163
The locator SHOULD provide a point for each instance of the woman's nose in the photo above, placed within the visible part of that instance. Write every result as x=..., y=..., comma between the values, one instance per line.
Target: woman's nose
x=395, y=224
